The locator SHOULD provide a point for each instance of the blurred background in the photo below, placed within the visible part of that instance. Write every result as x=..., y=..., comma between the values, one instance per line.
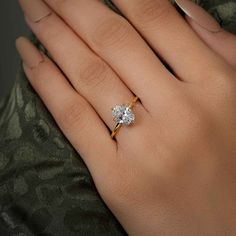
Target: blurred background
x=12, y=25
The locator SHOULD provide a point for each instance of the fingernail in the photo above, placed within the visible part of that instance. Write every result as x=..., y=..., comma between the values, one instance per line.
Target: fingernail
x=35, y=10
x=199, y=15
x=28, y=52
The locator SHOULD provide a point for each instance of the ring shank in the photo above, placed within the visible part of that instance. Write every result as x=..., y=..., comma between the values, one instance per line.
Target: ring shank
x=115, y=130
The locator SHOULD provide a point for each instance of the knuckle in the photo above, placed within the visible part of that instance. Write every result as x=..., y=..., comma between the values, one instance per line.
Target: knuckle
x=191, y=111
x=73, y=115
x=221, y=91
x=197, y=124
x=93, y=73
x=111, y=33
x=148, y=13
x=226, y=79
x=198, y=121
x=193, y=119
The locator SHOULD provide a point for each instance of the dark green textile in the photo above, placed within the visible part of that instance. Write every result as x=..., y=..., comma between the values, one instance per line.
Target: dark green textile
x=45, y=187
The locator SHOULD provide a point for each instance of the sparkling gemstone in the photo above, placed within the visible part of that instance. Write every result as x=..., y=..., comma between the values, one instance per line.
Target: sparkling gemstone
x=123, y=114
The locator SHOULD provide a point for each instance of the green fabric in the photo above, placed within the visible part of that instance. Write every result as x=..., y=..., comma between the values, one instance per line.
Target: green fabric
x=45, y=187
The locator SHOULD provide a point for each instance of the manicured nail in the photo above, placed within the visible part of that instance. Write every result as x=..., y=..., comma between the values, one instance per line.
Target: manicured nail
x=35, y=10
x=28, y=52
x=199, y=15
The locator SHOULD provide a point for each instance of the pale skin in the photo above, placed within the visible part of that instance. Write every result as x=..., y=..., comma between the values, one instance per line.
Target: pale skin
x=173, y=172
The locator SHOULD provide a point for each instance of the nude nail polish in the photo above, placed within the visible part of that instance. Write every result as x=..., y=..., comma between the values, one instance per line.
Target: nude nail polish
x=35, y=10
x=28, y=52
x=198, y=15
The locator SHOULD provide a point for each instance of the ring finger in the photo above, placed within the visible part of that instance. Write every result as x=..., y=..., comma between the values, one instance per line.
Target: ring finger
x=115, y=40
x=87, y=72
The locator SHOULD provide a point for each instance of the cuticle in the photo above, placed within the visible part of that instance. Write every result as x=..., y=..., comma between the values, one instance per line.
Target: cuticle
x=43, y=17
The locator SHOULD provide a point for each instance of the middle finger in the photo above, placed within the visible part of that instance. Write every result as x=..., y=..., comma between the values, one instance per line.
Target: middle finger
x=117, y=42
x=87, y=72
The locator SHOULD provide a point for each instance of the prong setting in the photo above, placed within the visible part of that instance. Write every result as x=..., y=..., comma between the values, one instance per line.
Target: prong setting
x=122, y=114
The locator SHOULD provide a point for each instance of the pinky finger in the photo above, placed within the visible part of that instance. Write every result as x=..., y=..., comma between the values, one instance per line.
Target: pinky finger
x=74, y=115
x=207, y=28
x=222, y=42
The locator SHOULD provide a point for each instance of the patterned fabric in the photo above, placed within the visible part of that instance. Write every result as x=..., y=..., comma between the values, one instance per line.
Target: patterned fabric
x=45, y=187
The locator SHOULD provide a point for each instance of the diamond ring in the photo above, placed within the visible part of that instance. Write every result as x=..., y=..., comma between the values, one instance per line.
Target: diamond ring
x=123, y=115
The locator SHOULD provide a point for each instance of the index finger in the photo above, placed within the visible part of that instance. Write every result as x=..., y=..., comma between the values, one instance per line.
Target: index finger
x=74, y=115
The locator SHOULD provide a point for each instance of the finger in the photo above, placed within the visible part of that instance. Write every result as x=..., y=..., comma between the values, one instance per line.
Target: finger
x=170, y=36
x=87, y=72
x=76, y=118
x=222, y=42
x=115, y=40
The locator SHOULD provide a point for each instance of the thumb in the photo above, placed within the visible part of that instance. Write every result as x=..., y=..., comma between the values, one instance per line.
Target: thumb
x=207, y=28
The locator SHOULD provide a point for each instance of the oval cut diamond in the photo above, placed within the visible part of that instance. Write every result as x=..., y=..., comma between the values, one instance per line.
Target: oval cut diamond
x=123, y=114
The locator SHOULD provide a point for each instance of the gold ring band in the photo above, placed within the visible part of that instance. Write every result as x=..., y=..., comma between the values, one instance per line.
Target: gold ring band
x=118, y=125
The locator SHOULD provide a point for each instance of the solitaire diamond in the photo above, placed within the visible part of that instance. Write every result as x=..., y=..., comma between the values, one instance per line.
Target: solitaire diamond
x=123, y=115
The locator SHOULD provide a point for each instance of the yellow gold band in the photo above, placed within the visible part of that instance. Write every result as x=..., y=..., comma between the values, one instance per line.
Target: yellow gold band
x=115, y=130
x=118, y=125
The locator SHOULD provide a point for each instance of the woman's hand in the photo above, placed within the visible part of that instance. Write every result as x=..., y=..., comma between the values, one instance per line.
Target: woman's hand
x=173, y=171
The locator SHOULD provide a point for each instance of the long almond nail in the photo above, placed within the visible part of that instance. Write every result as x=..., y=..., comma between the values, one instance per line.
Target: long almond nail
x=28, y=52
x=199, y=15
x=35, y=10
